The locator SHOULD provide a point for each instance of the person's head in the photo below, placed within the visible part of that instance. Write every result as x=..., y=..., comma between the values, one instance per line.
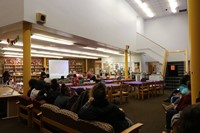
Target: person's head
x=184, y=79
x=190, y=119
x=47, y=75
x=64, y=90
x=54, y=84
x=62, y=77
x=43, y=69
x=40, y=85
x=99, y=92
x=32, y=83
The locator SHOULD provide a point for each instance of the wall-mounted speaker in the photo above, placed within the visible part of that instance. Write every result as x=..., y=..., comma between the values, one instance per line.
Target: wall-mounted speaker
x=40, y=18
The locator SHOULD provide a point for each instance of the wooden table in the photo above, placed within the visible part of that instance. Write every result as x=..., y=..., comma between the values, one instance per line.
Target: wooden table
x=8, y=95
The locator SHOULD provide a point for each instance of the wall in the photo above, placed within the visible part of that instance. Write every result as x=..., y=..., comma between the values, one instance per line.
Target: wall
x=120, y=60
x=171, y=32
x=11, y=11
x=111, y=22
x=140, y=25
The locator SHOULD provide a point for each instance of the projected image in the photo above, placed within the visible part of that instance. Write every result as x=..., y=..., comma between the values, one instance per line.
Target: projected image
x=58, y=68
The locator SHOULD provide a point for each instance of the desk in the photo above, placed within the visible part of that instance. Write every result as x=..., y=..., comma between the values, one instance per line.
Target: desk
x=10, y=99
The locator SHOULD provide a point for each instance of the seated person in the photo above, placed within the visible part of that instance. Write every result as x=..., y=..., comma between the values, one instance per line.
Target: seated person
x=183, y=83
x=47, y=79
x=184, y=102
x=62, y=99
x=190, y=119
x=82, y=99
x=75, y=80
x=98, y=108
x=62, y=80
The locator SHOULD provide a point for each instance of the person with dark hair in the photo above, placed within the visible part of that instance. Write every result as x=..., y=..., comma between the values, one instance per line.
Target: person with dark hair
x=32, y=84
x=43, y=74
x=55, y=91
x=47, y=79
x=74, y=97
x=62, y=99
x=190, y=119
x=40, y=85
x=182, y=85
x=6, y=77
x=75, y=80
x=98, y=108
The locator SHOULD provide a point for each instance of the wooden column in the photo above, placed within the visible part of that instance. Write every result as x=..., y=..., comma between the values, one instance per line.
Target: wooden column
x=86, y=65
x=45, y=64
x=126, y=63
x=194, y=30
x=26, y=56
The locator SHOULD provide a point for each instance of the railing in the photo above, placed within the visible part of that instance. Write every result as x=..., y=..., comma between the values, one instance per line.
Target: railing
x=152, y=49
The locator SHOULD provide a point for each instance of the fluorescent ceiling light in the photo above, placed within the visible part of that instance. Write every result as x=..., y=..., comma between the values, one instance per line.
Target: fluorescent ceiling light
x=12, y=49
x=108, y=51
x=145, y=8
x=46, y=53
x=34, y=55
x=89, y=48
x=103, y=50
x=36, y=46
x=51, y=39
x=13, y=56
x=173, y=5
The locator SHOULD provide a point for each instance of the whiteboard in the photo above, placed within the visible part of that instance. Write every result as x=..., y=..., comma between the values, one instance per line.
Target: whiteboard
x=58, y=68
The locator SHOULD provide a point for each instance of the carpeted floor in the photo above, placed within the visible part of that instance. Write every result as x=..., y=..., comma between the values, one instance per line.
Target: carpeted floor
x=148, y=111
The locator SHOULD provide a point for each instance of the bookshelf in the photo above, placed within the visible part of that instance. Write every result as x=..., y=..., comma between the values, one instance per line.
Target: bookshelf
x=15, y=67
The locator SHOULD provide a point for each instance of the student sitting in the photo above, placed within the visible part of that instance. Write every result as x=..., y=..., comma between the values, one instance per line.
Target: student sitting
x=190, y=119
x=184, y=102
x=98, y=108
x=62, y=99
x=47, y=79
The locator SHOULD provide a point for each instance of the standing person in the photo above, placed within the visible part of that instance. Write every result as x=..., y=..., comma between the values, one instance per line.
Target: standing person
x=98, y=108
x=6, y=77
x=43, y=74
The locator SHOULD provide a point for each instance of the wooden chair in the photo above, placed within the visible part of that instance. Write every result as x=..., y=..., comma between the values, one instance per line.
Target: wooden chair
x=25, y=109
x=125, y=88
x=115, y=91
x=143, y=90
x=159, y=87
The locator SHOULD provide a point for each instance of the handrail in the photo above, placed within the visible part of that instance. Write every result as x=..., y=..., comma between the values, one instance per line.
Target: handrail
x=151, y=40
x=150, y=50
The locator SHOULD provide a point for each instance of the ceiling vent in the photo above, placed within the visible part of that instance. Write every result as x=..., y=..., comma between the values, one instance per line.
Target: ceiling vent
x=183, y=10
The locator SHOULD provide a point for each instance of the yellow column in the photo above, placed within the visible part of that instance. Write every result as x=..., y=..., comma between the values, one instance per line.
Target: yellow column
x=26, y=56
x=186, y=60
x=194, y=30
x=126, y=63
x=45, y=64
x=86, y=65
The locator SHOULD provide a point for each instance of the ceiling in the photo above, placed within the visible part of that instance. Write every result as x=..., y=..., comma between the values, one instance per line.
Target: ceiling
x=13, y=30
x=159, y=7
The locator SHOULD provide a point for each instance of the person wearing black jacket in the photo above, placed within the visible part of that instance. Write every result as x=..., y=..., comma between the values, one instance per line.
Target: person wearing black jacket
x=98, y=108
